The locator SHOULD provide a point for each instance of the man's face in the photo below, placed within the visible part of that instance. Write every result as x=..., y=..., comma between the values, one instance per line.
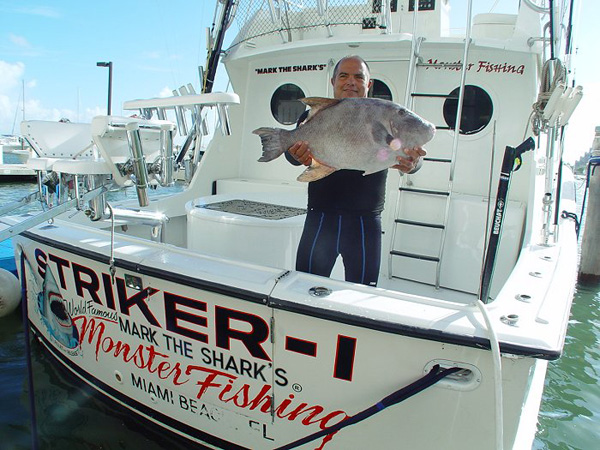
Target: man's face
x=351, y=80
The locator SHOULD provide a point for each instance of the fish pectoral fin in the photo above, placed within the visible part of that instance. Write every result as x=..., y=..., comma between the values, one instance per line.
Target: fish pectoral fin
x=318, y=104
x=380, y=133
x=315, y=172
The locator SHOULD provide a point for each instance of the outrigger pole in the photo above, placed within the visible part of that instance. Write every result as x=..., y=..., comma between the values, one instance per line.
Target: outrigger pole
x=214, y=54
x=511, y=163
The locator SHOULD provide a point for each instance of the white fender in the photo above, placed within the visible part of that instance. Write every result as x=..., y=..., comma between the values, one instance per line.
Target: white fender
x=10, y=292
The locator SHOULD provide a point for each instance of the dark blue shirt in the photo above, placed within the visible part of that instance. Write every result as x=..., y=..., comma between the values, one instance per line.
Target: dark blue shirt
x=346, y=191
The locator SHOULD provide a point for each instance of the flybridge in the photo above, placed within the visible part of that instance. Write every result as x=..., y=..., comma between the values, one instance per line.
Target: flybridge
x=293, y=21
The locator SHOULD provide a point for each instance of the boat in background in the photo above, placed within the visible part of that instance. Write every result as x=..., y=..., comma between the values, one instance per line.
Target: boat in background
x=14, y=153
x=186, y=308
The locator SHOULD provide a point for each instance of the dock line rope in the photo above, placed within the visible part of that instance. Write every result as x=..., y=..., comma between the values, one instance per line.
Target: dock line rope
x=400, y=395
x=497, y=360
x=569, y=215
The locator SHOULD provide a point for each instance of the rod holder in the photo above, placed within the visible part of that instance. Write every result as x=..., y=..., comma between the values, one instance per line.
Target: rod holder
x=200, y=68
x=179, y=113
x=97, y=204
x=138, y=162
x=204, y=127
x=154, y=219
x=146, y=113
x=166, y=154
x=223, y=112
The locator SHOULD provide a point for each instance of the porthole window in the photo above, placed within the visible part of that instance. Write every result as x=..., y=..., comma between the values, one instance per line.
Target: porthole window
x=476, y=112
x=380, y=90
x=285, y=106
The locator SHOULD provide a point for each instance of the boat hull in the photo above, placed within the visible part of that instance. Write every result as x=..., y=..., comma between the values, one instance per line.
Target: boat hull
x=231, y=366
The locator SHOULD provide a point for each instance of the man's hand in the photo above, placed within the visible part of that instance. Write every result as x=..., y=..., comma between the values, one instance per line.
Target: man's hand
x=412, y=161
x=301, y=152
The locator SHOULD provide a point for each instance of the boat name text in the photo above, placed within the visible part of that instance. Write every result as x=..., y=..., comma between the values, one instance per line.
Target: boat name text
x=481, y=66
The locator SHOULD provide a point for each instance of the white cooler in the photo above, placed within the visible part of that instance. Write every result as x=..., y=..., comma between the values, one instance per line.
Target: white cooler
x=262, y=228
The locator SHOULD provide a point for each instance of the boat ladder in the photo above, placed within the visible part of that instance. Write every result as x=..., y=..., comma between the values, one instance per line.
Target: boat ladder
x=409, y=192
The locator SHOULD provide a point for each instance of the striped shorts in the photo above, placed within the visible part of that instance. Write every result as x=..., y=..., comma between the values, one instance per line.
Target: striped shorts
x=357, y=238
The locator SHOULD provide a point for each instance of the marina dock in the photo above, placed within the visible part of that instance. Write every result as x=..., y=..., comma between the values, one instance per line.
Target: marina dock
x=16, y=172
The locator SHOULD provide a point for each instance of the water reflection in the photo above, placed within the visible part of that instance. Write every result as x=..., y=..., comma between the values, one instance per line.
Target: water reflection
x=14, y=416
x=570, y=411
x=72, y=415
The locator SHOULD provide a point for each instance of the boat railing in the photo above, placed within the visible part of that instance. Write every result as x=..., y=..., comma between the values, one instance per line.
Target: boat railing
x=78, y=163
x=188, y=101
x=293, y=19
x=189, y=105
x=257, y=19
x=137, y=151
x=156, y=220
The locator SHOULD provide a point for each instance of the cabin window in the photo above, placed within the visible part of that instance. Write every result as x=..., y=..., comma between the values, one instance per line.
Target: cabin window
x=285, y=104
x=476, y=112
x=380, y=90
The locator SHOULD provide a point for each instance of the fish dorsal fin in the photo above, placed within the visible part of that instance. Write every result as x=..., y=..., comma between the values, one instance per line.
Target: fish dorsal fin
x=316, y=171
x=318, y=104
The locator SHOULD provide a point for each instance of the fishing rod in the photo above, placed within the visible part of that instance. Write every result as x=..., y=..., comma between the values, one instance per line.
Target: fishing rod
x=511, y=163
x=214, y=54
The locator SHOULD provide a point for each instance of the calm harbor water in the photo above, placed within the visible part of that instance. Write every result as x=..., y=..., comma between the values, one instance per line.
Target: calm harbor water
x=70, y=416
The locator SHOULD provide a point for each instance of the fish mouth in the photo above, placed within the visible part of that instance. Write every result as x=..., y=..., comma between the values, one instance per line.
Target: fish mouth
x=428, y=134
x=418, y=141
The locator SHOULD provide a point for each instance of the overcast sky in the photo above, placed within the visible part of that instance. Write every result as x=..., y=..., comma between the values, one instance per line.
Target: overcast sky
x=51, y=50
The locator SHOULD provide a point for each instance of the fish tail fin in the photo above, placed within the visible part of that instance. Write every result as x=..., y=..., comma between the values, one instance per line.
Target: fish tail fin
x=270, y=139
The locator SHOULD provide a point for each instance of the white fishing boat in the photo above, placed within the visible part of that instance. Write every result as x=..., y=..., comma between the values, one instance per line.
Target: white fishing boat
x=16, y=146
x=14, y=153
x=187, y=308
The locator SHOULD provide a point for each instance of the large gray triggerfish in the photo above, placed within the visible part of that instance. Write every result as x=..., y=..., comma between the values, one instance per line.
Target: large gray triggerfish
x=365, y=134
